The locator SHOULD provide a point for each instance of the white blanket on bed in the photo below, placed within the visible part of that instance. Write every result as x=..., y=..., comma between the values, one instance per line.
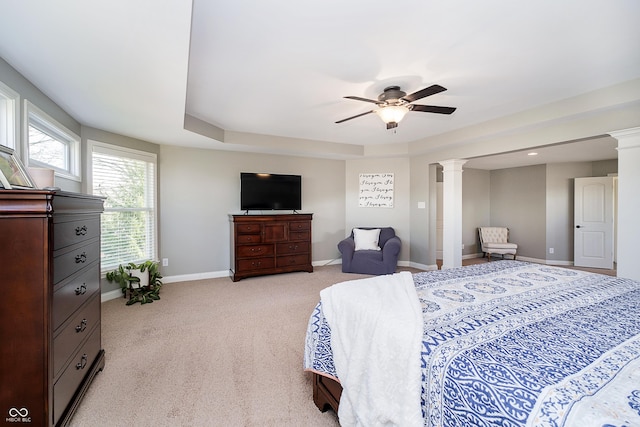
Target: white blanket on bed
x=376, y=326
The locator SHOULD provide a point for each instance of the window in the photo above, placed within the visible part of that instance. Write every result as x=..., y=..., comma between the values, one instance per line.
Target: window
x=50, y=144
x=127, y=178
x=8, y=101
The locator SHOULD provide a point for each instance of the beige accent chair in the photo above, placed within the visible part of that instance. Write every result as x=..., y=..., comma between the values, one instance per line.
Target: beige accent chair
x=495, y=240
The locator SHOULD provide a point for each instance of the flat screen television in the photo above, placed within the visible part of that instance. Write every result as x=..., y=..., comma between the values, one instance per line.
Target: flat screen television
x=266, y=191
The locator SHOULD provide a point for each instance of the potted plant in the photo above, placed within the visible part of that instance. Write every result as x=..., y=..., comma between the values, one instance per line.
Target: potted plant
x=141, y=281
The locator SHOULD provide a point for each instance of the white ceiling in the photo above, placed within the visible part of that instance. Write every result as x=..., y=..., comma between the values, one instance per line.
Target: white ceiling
x=599, y=148
x=281, y=68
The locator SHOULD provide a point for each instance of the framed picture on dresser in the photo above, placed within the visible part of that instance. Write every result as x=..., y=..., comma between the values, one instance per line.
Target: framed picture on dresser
x=13, y=174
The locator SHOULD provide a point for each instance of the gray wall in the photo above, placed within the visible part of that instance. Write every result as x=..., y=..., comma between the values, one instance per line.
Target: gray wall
x=476, y=204
x=518, y=201
x=560, y=208
x=422, y=176
x=10, y=77
x=560, y=180
x=199, y=189
x=397, y=217
x=536, y=203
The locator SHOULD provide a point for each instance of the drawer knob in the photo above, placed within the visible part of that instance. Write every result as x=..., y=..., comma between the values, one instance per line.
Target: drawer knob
x=82, y=326
x=81, y=231
x=81, y=258
x=81, y=289
x=83, y=362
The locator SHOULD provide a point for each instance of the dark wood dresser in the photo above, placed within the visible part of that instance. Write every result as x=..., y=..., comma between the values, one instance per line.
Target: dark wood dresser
x=50, y=347
x=270, y=244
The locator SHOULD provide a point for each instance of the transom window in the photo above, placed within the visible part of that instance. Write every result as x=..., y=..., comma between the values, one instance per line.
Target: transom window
x=50, y=144
x=8, y=101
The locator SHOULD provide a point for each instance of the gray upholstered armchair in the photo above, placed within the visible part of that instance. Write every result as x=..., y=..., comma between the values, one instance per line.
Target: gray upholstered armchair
x=366, y=252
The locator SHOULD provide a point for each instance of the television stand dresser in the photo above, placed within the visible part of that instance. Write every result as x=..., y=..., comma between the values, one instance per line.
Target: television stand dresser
x=50, y=347
x=270, y=244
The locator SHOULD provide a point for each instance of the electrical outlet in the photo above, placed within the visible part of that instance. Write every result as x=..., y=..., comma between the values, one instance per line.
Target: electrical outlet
x=165, y=262
x=551, y=250
x=463, y=246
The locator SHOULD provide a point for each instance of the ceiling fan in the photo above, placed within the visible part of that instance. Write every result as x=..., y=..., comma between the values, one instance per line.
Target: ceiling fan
x=394, y=103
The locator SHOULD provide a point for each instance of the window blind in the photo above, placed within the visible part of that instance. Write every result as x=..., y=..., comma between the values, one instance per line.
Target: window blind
x=128, y=181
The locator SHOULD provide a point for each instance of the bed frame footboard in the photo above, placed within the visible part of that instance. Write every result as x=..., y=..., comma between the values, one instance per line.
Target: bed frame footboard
x=326, y=392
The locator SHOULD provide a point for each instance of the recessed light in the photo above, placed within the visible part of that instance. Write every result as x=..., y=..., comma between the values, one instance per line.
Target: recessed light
x=532, y=154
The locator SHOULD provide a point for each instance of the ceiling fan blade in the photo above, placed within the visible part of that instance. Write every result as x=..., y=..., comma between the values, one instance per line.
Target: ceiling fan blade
x=355, y=117
x=428, y=91
x=357, y=98
x=432, y=109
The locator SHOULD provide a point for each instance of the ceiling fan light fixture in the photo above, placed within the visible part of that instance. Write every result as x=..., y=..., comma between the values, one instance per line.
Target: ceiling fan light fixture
x=392, y=113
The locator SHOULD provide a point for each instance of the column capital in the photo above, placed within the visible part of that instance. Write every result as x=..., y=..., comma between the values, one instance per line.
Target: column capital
x=617, y=134
x=453, y=164
x=627, y=138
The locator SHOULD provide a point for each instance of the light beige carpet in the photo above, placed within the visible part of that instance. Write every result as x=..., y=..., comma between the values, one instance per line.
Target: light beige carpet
x=210, y=353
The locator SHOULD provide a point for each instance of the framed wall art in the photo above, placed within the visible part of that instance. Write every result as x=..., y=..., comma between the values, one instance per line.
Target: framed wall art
x=12, y=172
x=376, y=190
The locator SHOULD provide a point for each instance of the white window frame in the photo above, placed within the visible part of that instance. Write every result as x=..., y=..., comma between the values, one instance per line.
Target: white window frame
x=115, y=150
x=53, y=128
x=9, y=119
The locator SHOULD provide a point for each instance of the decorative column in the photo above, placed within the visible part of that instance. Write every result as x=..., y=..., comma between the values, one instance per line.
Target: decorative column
x=628, y=202
x=452, y=213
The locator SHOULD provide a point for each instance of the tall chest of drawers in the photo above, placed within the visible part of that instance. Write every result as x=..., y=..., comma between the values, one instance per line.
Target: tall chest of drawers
x=270, y=244
x=50, y=304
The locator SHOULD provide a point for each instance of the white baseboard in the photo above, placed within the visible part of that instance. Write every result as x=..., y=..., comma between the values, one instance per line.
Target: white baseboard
x=117, y=293
x=322, y=263
x=196, y=276
x=108, y=296
x=424, y=267
x=555, y=262
x=544, y=261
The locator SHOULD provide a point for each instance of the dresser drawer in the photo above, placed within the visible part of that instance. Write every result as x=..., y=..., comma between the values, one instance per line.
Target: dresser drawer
x=291, y=260
x=73, y=332
x=248, y=238
x=74, y=372
x=75, y=259
x=292, y=248
x=254, y=251
x=255, y=264
x=249, y=228
x=75, y=229
x=300, y=235
x=75, y=292
x=299, y=225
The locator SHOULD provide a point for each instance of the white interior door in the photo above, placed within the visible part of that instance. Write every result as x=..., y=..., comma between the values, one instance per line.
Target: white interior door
x=593, y=222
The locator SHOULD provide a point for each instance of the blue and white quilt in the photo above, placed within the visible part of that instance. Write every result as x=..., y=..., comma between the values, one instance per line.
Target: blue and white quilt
x=517, y=344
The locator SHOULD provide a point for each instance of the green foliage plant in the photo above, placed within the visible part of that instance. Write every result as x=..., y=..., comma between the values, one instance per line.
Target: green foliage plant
x=144, y=294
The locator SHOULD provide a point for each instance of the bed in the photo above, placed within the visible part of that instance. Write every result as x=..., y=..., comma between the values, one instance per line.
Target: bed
x=505, y=343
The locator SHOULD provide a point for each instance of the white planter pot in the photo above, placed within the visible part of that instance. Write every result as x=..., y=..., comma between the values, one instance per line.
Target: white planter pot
x=144, y=278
